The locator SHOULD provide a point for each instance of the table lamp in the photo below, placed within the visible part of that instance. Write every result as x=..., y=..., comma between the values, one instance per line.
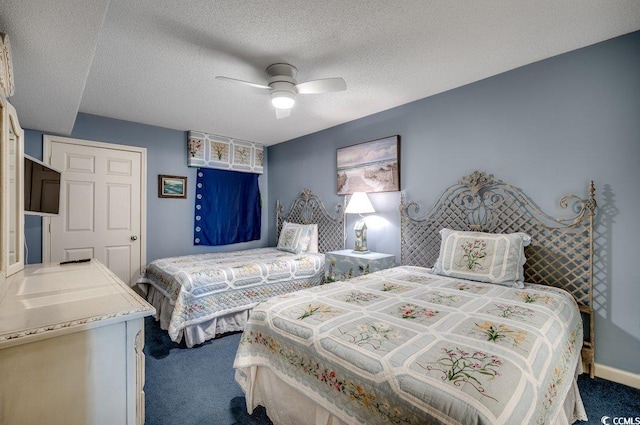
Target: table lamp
x=360, y=204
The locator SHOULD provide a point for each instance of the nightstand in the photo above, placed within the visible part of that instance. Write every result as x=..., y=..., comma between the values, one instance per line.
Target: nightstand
x=345, y=264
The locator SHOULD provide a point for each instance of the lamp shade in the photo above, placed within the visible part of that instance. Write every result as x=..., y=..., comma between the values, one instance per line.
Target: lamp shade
x=359, y=204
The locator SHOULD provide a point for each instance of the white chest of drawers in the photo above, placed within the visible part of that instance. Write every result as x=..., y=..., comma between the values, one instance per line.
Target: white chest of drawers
x=71, y=340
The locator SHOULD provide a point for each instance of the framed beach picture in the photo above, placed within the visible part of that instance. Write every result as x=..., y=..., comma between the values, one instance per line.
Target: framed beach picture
x=369, y=167
x=172, y=186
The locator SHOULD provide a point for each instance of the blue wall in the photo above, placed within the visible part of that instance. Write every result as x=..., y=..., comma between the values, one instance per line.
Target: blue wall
x=169, y=221
x=548, y=128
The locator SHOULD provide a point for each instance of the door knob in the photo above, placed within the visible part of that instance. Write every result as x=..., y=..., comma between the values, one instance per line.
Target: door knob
x=134, y=238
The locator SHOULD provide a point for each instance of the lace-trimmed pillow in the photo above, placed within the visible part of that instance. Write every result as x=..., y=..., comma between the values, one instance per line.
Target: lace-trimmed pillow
x=313, y=239
x=294, y=237
x=484, y=257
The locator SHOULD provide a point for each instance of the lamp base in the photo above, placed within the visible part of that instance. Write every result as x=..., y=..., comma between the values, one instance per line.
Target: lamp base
x=360, y=252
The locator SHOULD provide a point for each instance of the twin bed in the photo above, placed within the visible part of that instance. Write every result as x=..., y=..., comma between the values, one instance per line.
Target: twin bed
x=462, y=332
x=200, y=296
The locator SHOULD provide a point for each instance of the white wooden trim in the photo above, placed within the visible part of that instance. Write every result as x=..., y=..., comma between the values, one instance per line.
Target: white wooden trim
x=618, y=375
x=46, y=158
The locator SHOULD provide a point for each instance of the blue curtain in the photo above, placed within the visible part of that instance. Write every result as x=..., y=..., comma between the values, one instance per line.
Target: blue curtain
x=227, y=207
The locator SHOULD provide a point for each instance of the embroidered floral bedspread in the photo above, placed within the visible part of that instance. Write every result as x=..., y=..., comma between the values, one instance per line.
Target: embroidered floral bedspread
x=403, y=346
x=206, y=286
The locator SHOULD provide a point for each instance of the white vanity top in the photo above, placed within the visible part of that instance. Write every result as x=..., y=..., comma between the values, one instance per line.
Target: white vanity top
x=45, y=300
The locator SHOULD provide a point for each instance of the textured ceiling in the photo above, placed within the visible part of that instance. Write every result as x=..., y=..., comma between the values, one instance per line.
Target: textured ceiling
x=155, y=61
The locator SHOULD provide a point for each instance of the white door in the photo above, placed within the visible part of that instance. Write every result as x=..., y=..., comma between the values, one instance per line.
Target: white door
x=101, y=211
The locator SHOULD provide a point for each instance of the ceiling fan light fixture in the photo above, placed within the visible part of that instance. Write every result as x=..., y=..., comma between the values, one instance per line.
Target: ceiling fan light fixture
x=283, y=86
x=282, y=99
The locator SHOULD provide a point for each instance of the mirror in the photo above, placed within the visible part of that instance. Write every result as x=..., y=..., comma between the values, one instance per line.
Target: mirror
x=13, y=192
x=13, y=161
x=11, y=172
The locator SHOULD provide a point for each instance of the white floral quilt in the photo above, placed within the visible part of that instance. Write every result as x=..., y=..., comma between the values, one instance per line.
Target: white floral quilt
x=207, y=286
x=403, y=346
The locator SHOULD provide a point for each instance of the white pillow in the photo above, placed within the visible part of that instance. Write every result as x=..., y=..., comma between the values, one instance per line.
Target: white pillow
x=484, y=257
x=313, y=240
x=294, y=237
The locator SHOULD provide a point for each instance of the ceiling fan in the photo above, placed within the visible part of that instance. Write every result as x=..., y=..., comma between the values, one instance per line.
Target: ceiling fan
x=284, y=87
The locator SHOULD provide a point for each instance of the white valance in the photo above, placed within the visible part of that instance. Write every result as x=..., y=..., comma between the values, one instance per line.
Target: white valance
x=224, y=153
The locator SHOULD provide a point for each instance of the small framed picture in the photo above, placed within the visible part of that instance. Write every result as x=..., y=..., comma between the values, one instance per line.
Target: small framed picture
x=172, y=186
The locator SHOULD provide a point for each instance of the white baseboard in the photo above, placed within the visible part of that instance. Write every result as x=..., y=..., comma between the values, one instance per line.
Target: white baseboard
x=617, y=375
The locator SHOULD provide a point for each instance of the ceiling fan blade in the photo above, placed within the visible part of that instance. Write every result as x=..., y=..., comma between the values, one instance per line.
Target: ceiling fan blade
x=282, y=113
x=324, y=85
x=248, y=83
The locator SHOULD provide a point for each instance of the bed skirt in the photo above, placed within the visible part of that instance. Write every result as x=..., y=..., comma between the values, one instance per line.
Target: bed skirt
x=198, y=333
x=264, y=388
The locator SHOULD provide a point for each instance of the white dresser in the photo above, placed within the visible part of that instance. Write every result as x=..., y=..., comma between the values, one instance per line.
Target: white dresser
x=71, y=339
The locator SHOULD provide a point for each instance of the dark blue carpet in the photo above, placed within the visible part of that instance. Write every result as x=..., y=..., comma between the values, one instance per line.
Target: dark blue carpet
x=196, y=386
x=193, y=386
x=604, y=398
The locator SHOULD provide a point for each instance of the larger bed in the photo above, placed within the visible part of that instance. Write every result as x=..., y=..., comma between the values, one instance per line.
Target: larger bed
x=200, y=296
x=418, y=345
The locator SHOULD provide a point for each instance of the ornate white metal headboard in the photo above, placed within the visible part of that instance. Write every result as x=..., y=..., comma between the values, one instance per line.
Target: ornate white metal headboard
x=308, y=208
x=561, y=251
